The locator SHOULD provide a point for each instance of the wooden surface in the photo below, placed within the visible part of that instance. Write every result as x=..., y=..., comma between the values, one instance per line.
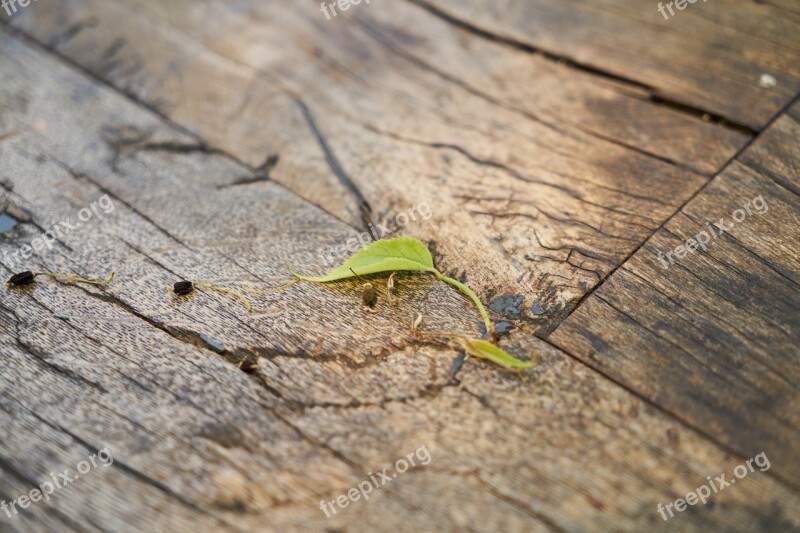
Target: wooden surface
x=558, y=149
x=726, y=321
x=710, y=58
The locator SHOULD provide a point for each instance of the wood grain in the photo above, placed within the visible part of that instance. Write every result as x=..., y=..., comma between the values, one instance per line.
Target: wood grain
x=199, y=444
x=714, y=338
x=710, y=56
x=516, y=155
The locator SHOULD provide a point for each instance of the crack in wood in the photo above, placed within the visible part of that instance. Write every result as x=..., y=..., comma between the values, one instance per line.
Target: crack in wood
x=364, y=209
x=381, y=38
x=585, y=67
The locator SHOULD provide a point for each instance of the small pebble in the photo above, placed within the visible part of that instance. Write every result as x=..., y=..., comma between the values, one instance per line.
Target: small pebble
x=7, y=223
x=458, y=362
x=767, y=81
x=501, y=328
x=213, y=344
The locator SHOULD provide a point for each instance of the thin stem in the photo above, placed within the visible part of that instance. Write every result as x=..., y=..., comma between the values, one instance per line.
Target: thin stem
x=474, y=297
x=271, y=291
x=78, y=280
x=452, y=336
x=241, y=297
x=359, y=277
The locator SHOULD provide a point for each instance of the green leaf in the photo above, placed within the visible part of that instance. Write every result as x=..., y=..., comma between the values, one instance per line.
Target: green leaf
x=487, y=350
x=391, y=255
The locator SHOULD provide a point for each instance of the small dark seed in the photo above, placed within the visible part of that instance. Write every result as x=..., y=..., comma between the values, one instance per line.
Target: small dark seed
x=23, y=278
x=370, y=297
x=249, y=366
x=183, y=287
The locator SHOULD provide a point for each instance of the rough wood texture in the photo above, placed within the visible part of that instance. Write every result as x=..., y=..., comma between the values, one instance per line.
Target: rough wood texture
x=714, y=337
x=710, y=55
x=552, y=205
x=239, y=141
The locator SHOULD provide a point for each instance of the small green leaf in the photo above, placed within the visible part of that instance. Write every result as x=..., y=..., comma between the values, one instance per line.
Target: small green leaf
x=487, y=350
x=392, y=255
x=402, y=253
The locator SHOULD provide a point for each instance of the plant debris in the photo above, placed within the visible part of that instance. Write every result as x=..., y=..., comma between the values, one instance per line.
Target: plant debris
x=407, y=254
x=393, y=255
x=249, y=365
x=183, y=288
x=28, y=277
x=369, y=297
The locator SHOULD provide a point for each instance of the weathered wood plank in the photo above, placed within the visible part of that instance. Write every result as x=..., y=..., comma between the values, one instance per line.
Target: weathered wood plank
x=552, y=204
x=709, y=55
x=337, y=395
x=715, y=337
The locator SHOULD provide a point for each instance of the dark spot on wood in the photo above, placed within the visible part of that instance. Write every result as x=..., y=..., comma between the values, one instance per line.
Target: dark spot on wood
x=458, y=362
x=599, y=346
x=597, y=504
x=226, y=435
x=500, y=329
x=673, y=437
x=508, y=305
x=536, y=310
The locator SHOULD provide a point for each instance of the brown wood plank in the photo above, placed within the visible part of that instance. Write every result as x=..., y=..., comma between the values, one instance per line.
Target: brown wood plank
x=714, y=338
x=709, y=55
x=556, y=181
x=337, y=395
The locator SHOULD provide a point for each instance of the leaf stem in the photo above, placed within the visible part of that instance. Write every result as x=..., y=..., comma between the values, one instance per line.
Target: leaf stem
x=78, y=280
x=271, y=291
x=474, y=297
x=241, y=297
